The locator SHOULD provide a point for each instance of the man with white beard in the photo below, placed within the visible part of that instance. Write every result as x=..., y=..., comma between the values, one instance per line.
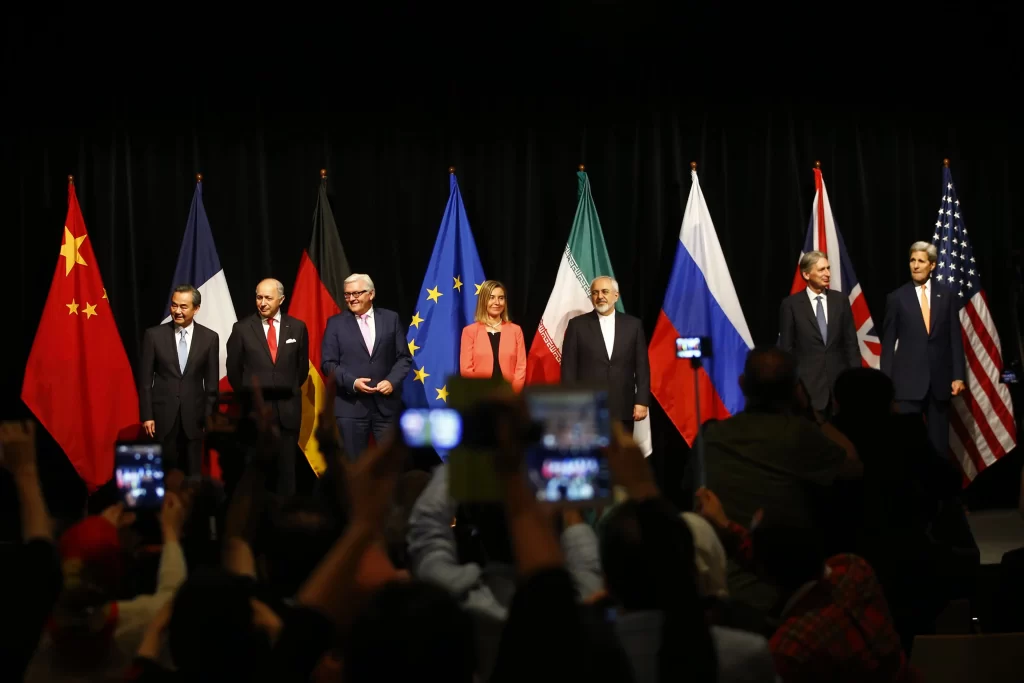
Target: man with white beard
x=608, y=349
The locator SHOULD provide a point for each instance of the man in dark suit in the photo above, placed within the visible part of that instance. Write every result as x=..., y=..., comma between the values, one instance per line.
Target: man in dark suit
x=609, y=349
x=178, y=382
x=274, y=349
x=816, y=326
x=365, y=352
x=922, y=350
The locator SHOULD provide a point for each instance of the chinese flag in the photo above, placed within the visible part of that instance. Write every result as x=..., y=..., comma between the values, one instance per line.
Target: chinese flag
x=78, y=381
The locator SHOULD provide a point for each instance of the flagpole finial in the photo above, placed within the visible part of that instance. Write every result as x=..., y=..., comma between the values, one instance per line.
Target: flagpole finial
x=71, y=180
x=817, y=165
x=693, y=165
x=582, y=167
x=323, y=174
x=945, y=162
x=451, y=170
x=199, y=177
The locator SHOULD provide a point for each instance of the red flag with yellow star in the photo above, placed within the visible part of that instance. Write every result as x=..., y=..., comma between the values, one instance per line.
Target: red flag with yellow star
x=78, y=381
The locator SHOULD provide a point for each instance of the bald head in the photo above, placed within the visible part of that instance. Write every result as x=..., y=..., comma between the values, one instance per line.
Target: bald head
x=269, y=297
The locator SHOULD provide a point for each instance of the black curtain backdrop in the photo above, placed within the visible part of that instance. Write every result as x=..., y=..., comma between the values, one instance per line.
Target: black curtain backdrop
x=515, y=129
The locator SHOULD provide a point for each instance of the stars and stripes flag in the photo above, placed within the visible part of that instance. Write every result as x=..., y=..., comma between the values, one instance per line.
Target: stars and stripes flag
x=981, y=423
x=823, y=235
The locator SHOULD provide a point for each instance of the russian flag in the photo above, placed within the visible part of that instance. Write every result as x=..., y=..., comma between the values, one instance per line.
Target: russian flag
x=700, y=301
x=823, y=235
x=199, y=266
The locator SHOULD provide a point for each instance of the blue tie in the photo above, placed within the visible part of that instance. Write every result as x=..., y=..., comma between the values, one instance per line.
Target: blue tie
x=182, y=351
x=819, y=313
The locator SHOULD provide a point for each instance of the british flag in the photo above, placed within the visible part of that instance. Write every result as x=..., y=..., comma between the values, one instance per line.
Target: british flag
x=823, y=235
x=981, y=422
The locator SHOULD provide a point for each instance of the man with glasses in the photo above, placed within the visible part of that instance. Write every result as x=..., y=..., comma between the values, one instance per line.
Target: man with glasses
x=367, y=356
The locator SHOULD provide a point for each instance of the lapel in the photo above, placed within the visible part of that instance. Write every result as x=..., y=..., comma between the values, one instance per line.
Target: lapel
x=620, y=331
x=172, y=345
x=376, y=332
x=915, y=305
x=598, y=335
x=256, y=323
x=353, y=322
x=832, y=298
x=937, y=307
x=193, y=348
x=809, y=314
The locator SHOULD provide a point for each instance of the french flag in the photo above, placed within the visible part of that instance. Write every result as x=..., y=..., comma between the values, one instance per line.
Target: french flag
x=199, y=266
x=823, y=235
x=701, y=301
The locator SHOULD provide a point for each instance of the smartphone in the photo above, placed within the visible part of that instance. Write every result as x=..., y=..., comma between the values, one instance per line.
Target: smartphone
x=567, y=465
x=437, y=428
x=693, y=347
x=139, y=473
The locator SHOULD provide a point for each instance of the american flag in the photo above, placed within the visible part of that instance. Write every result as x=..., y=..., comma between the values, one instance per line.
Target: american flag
x=823, y=235
x=981, y=423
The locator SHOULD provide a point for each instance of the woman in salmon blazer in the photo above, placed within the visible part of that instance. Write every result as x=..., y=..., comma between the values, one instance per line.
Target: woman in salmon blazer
x=493, y=346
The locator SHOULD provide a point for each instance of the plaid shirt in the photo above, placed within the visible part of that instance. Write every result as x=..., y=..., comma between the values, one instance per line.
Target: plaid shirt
x=838, y=630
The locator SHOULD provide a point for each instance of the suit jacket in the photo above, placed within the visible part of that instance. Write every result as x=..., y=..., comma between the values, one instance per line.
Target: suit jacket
x=345, y=358
x=626, y=375
x=164, y=389
x=925, y=359
x=476, y=359
x=819, y=362
x=249, y=356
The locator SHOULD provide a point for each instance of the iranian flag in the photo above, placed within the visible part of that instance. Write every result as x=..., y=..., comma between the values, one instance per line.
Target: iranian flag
x=585, y=258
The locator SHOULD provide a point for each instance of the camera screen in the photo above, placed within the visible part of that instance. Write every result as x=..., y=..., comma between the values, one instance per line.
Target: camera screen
x=568, y=465
x=437, y=428
x=139, y=473
x=688, y=347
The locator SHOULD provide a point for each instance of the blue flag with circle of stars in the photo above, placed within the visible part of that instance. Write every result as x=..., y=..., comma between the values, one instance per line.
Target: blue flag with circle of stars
x=445, y=305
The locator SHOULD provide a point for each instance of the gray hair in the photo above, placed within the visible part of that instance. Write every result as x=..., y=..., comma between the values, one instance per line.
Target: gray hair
x=277, y=283
x=810, y=259
x=356, y=277
x=926, y=247
x=197, y=298
x=615, y=284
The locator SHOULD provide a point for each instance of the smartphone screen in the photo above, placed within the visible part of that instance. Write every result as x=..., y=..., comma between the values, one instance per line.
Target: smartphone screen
x=688, y=347
x=567, y=465
x=139, y=473
x=436, y=428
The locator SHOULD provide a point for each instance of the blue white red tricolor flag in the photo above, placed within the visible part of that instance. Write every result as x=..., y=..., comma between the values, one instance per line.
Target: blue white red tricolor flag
x=981, y=423
x=700, y=301
x=823, y=235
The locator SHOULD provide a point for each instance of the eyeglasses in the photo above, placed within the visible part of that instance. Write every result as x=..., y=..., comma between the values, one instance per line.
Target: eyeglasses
x=355, y=295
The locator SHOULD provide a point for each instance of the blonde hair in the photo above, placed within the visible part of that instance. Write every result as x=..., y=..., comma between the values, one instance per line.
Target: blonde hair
x=483, y=297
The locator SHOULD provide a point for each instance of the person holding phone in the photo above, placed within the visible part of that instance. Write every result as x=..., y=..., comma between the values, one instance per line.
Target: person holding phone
x=609, y=348
x=178, y=379
x=493, y=346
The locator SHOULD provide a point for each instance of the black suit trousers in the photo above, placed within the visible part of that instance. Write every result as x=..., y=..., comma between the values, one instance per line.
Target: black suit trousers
x=181, y=452
x=936, y=416
x=355, y=432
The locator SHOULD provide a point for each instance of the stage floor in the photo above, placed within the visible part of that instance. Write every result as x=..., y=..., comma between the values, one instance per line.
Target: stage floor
x=996, y=532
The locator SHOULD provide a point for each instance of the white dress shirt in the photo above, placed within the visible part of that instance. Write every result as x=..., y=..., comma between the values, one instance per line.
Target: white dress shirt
x=188, y=337
x=608, y=331
x=277, y=328
x=814, y=304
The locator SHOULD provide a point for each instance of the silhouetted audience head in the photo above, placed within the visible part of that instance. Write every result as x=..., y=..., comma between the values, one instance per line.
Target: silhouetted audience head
x=408, y=631
x=301, y=534
x=482, y=534
x=218, y=631
x=769, y=380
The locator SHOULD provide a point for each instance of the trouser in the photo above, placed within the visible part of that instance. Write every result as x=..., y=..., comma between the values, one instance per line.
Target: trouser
x=936, y=415
x=356, y=431
x=180, y=452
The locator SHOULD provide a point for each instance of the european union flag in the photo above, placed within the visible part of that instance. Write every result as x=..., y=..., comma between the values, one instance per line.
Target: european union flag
x=446, y=304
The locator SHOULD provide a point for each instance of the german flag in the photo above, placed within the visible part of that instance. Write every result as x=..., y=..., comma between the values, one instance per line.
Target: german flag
x=318, y=294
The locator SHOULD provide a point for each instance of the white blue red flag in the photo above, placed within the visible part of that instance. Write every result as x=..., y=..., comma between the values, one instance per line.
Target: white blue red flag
x=981, y=422
x=199, y=266
x=823, y=235
x=700, y=301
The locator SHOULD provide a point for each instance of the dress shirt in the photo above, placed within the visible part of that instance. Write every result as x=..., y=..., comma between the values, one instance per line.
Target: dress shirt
x=277, y=328
x=188, y=337
x=814, y=304
x=369, y=323
x=608, y=331
x=927, y=292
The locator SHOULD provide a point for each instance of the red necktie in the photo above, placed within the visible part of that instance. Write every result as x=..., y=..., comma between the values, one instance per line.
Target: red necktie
x=272, y=340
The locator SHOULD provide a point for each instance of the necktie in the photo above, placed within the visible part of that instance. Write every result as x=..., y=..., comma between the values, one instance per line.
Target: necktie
x=926, y=310
x=272, y=340
x=365, y=329
x=182, y=351
x=819, y=313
